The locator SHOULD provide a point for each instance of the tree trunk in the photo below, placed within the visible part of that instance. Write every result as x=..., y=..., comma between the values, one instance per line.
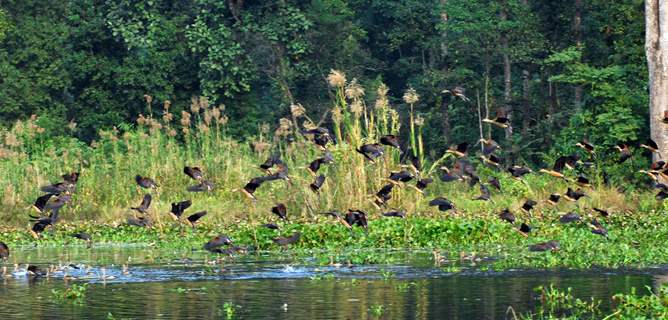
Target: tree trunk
x=507, y=84
x=656, y=49
x=525, y=102
x=577, y=29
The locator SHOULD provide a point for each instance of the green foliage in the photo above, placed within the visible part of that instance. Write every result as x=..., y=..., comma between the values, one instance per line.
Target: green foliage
x=75, y=293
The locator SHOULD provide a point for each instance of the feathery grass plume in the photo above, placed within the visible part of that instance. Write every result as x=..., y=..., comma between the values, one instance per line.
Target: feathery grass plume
x=354, y=90
x=141, y=120
x=166, y=104
x=72, y=126
x=411, y=98
x=297, y=110
x=336, y=79
x=167, y=117
x=194, y=105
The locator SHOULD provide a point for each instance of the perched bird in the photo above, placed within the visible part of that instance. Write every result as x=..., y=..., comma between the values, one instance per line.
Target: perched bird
x=570, y=217
x=586, y=146
x=4, y=251
x=459, y=150
x=217, y=242
x=284, y=241
x=528, y=205
x=545, y=246
x=598, y=228
x=501, y=120
x=315, y=165
x=202, y=186
x=390, y=140
x=525, y=228
x=484, y=193
x=395, y=214
x=554, y=198
x=178, y=208
x=145, y=204
x=574, y=195
x=193, y=218
x=194, y=173
x=141, y=222
x=518, y=171
x=145, y=182
x=443, y=204
x=371, y=151
x=624, y=152
x=281, y=211
x=507, y=216
x=494, y=182
x=317, y=183
x=582, y=181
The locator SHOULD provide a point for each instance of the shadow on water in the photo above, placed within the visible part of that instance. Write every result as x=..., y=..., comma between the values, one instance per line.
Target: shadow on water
x=187, y=285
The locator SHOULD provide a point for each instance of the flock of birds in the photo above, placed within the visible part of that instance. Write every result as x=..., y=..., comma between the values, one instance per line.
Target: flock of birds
x=57, y=195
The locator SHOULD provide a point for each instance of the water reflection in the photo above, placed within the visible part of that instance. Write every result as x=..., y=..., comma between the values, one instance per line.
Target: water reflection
x=183, y=285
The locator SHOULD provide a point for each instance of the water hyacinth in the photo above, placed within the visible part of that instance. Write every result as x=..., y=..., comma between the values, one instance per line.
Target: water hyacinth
x=336, y=79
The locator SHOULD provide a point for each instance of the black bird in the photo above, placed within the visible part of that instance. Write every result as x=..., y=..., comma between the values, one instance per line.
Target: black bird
x=582, y=181
x=284, y=241
x=141, y=222
x=269, y=163
x=41, y=223
x=85, y=237
x=603, y=213
x=203, y=186
x=598, y=228
x=281, y=211
x=193, y=172
x=442, y=203
x=473, y=180
x=570, y=217
x=494, y=182
x=423, y=183
x=390, y=140
x=35, y=271
x=574, y=195
x=507, y=216
x=528, y=205
x=357, y=218
x=4, y=251
x=270, y=226
x=217, y=242
x=492, y=160
x=651, y=146
x=178, y=208
x=586, y=146
x=560, y=164
x=624, y=152
x=193, y=218
x=315, y=165
x=554, y=198
x=525, y=228
x=395, y=214
x=662, y=195
x=250, y=187
x=71, y=177
x=518, y=171
x=459, y=150
x=321, y=136
x=337, y=215
x=317, y=183
x=40, y=203
x=446, y=176
x=458, y=92
x=145, y=204
x=371, y=151
x=145, y=182
x=58, y=188
x=58, y=202
x=484, y=193
x=489, y=146
x=545, y=246
x=403, y=176
x=501, y=120
x=384, y=194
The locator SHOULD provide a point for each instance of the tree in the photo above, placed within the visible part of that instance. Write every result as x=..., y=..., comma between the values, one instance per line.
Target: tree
x=656, y=49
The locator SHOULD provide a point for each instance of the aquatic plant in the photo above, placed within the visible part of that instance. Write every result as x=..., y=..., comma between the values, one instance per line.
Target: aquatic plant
x=74, y=293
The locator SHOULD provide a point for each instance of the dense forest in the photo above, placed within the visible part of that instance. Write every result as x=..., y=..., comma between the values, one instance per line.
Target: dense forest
x=560, y=70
